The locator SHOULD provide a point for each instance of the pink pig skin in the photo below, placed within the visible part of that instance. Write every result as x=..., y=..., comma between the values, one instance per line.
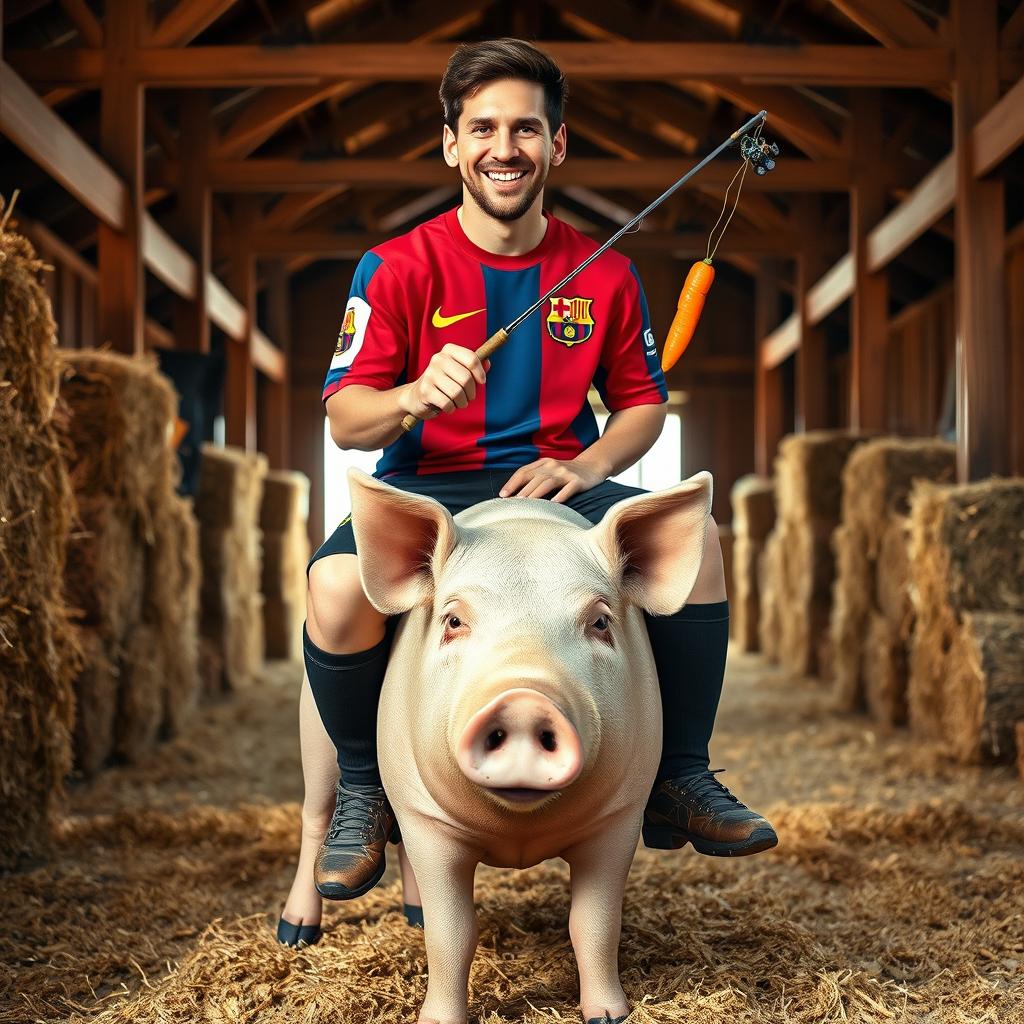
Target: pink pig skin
x=529, y=581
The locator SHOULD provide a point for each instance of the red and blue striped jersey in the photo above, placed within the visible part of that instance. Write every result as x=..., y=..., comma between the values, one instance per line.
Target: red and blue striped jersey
x=414, y=294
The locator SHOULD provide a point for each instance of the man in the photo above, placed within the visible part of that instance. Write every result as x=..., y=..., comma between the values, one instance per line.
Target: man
x=520, y=427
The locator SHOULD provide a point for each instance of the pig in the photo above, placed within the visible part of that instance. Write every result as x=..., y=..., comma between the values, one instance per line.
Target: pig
x=520, y=717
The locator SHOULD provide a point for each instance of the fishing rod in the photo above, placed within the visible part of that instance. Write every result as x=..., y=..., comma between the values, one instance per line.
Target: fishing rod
x=753, y=151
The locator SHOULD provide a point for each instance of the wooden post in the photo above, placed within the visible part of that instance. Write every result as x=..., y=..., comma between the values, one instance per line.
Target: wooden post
x=195, y=206
x=122, y=296
x=982, y=357
x=275, y=414
x=869, y=304
x=810, y=407
x=768, y=426
x=1015, y=280
x=240, y=384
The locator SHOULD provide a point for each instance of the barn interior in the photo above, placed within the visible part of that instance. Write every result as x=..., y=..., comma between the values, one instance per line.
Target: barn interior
x=187, y=187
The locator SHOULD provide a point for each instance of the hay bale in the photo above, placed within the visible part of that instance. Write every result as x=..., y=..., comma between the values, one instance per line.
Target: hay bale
x=123, y=412
x=965, y=555
x=984, y=694
x=139, y=695
x=879, y=477
x=228, y=507
x=39, y=652
x=172, y=608
x=753, y=515
x=892, y=576
x=884, y=671
x=808, y=476
x=104, y=576
x=850, y=608
x=285, y=501
x=746, y=600
x=872, y=574
x=96, y=687
x=282, y=627
x=753, y=507
x=126, y=562
x=808, y=472
x=770, y=571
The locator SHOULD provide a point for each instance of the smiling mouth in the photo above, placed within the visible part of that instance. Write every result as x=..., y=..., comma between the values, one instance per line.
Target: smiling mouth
x=505, y=176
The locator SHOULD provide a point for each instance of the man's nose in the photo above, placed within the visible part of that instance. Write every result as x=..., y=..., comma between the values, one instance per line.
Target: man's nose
x=504, y=147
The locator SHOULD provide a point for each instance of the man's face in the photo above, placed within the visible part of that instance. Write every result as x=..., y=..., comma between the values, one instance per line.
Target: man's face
x=504, y=147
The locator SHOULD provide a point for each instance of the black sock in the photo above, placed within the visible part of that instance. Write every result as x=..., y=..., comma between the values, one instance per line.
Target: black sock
x=690, y=649
x=346, y=689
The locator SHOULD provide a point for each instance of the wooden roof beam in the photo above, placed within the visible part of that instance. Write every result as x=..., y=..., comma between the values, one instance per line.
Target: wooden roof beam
x=48, y=140
x=266, y=114
x=891, y=22
x=87, y=24
x=792, y=114
x=272, y=175
x=186, y=21
x=233, y=66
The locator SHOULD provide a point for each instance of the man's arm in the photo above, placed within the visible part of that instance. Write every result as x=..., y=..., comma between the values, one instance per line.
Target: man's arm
x=628, y=436
x=367, y=419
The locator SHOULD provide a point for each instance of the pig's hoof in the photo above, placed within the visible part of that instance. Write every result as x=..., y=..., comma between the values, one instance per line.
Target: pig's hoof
x=607, y=1020
x=298, y=935
x=413, y=915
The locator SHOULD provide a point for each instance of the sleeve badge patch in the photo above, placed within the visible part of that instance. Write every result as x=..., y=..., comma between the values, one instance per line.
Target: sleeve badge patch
x=569, y=320
x=353, y=330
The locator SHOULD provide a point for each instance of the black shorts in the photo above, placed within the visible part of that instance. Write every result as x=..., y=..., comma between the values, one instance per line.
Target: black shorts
x=459, y=491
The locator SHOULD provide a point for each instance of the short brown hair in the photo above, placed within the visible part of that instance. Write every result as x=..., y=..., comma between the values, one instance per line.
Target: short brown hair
x=473, y=65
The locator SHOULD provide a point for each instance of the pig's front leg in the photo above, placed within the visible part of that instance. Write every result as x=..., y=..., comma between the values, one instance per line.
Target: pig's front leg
x=445, y=872
x=598, y=871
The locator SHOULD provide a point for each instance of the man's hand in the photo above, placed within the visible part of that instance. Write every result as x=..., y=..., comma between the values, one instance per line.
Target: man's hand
x=546, y=475
x=448, y=383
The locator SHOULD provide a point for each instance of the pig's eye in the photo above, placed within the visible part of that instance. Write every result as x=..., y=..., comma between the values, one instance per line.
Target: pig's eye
x=453, y=622
x=601, y=624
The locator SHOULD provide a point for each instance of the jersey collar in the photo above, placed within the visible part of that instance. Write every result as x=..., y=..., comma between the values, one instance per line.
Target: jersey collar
x=499, y=262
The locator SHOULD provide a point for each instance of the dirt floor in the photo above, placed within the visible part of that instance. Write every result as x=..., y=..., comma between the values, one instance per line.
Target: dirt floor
x=896, y=893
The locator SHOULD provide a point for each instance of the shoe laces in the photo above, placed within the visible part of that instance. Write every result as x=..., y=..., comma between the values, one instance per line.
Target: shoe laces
x=706, y=789
x=355, y=814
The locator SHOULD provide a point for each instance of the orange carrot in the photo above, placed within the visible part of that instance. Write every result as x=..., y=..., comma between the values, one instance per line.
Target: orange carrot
x=688, y=310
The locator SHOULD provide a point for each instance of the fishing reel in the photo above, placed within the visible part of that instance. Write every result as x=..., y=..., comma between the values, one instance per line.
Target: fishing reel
x=760, y=153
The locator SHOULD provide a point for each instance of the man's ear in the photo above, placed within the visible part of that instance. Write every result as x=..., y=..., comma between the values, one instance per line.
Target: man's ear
x=655, y=542
x=403, y=540
x=559, y=144
x=450, y=147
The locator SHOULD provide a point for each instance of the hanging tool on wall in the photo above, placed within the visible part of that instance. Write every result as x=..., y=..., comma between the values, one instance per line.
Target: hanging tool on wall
x=755, y=152
x=759, y=154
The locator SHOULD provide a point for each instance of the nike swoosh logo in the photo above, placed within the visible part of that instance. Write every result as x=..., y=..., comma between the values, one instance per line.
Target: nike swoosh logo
x=446, y=321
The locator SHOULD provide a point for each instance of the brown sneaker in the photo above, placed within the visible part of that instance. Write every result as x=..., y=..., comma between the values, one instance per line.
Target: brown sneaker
x=351, y=860
x=698, y=809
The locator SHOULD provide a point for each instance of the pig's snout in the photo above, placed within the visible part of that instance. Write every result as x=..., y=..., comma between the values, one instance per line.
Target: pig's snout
x=520, y=746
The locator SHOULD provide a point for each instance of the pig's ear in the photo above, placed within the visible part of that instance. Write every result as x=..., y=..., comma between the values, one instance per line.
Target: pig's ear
x=403, y=539
x=656, y=543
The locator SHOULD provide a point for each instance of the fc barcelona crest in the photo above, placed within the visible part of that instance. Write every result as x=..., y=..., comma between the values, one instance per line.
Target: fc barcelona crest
x=569, y=320
x=347, y=332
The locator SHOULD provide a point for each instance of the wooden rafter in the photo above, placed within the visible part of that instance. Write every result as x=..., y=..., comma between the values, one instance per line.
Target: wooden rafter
x=270, y=111
x=234, y=66
x=187, y=20
x=85, y=21
x=271, y=175
x=891, y=22
x=48, y=140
